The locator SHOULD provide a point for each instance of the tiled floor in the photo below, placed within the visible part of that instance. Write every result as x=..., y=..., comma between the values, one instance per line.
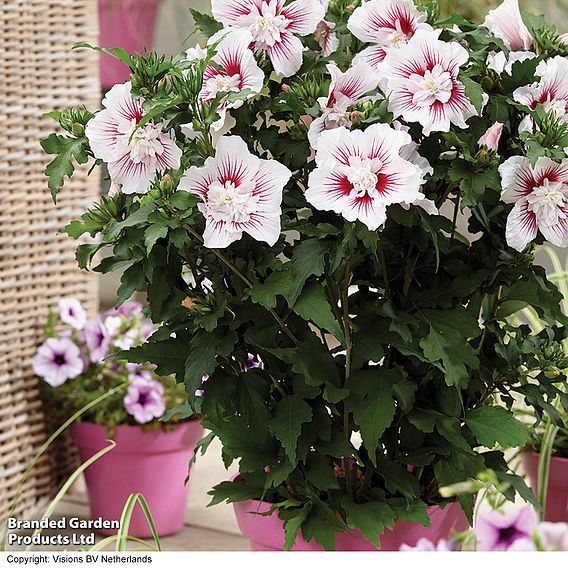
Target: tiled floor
x=212, y=528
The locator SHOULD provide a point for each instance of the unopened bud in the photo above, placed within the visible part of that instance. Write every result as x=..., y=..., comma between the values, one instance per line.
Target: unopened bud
x=166, y=183
x=356, y=116
x=551, y=372
x=188, y=303
x=285, y=87
x=351, y=8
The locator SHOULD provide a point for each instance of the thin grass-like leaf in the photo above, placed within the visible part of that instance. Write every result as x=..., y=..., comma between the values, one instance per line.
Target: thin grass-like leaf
x=43, y=449
x=72, y=478
x=126, y=517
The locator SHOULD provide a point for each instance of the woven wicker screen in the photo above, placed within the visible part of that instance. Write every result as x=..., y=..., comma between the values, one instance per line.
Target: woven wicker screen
x=38, y=73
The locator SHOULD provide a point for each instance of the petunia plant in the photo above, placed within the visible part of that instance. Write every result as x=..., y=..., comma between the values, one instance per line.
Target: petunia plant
x=350, y=193
x=72, y=362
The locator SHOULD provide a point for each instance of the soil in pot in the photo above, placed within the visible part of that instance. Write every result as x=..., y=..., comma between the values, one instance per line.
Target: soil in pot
x=153, y=463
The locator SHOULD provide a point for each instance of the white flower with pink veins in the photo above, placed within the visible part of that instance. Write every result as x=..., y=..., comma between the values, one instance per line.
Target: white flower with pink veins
x=273, y=26
x=240, y=194
x=540, y=195
x=359, y=173
x=131, y=163
x=506, y=23
x=235, y=71
x=552, y=89
x=422, y=83
x=387, y=24
x=345, y=90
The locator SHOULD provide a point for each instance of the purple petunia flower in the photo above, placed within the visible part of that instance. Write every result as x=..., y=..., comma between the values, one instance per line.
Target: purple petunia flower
x=553, y=536
x=72, y=313
x=127, y=309
x=57, y=360
x=424, y=545
x=136, y=371
x=252, y=362
x=497, y=531
x=145, y=400
x=97, y=339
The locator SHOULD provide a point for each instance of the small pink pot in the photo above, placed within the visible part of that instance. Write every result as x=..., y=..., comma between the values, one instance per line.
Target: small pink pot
x=128, y=24
x=154, y=464
x=267, y=533
x=557, y=496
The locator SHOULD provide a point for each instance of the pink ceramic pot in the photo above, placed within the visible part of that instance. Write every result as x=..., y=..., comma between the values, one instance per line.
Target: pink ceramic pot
x=267, y=533
x=128, y=24
x=152, y=463
x=557, y=496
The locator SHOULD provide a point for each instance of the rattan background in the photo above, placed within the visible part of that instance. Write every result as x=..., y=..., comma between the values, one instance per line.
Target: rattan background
x=38, y=73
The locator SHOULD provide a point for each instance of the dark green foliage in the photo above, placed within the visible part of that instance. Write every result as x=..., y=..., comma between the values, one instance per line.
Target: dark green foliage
x=401, y=335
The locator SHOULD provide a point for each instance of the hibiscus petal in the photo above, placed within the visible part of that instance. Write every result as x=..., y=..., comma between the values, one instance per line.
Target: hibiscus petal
x=263, y=226
x=340, y=144
x=556, y=234
x=120, y=101
x=356, y=81
x=217, y=234
x=517, y=179
x=521, y=226
x=372, y=21
x=371, y=212
x=506, y=23
x=103, y=135
x=304, y=16
x=373, y=56
x=234, y=162
x=135, y=177
x=171, y=155
x=197, y=180
x=231, y=12
x=269, y=182
x=286, y=55
x=545, y=168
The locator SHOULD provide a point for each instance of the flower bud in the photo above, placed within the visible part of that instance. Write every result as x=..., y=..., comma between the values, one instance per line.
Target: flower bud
x=491, y=137
x=356, y=116
x=188, y=303
x=285, y=88
x=551, y=372
x=351, y=8
x=166, y=183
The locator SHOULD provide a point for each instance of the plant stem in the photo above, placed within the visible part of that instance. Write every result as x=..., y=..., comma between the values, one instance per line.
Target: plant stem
x=243, y=278
x=348, y=356
x=449, y=190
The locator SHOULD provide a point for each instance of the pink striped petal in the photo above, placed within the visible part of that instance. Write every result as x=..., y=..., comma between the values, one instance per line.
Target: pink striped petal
x=521, y=226
x=557, y=234
x=517, y=179
x=375, y=21
x=304, y=16
x=135, y=177
x=286, y=55
x=232, y=12
x=373, y=56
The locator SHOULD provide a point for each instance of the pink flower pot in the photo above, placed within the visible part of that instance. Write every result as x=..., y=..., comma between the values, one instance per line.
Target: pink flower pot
x=154, y=464
x=267, y=533
x=128, y=24
x=557, y=496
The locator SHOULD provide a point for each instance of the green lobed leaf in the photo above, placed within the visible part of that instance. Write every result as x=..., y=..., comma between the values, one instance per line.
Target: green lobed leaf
x=496, y=425
x=290, y=413
x=67, y=150
x=312, y=305
x=370, y=518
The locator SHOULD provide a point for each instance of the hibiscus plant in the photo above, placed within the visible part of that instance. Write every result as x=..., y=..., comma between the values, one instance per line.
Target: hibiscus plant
x=352, y=192
x=72, y=364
